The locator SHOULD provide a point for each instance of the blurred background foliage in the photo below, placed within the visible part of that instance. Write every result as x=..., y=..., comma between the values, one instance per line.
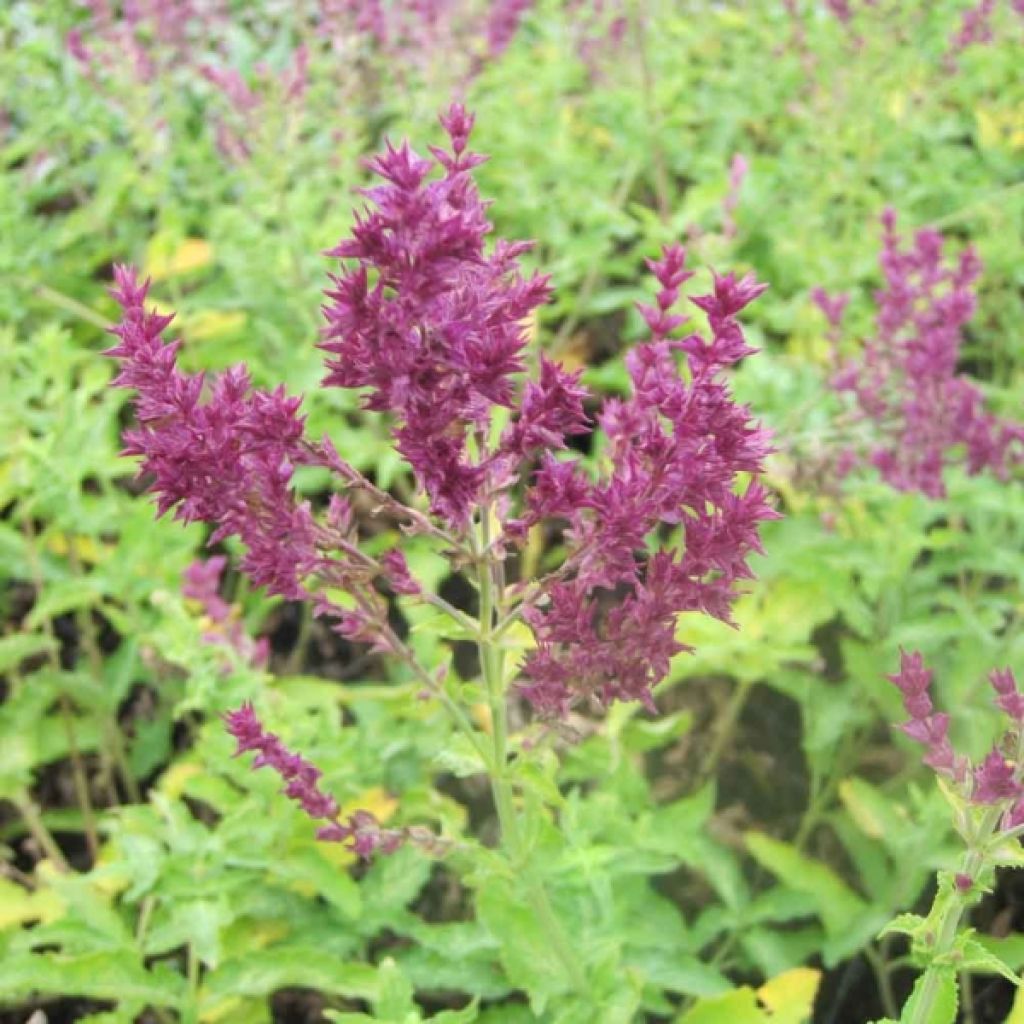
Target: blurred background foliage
x=730, y=859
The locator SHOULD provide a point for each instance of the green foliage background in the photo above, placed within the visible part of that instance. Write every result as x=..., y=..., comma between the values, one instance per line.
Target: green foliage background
x=768, y=823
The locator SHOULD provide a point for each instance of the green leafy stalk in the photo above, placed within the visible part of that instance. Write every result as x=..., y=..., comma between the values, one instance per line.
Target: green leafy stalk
x=492, y=662
x=949, y=916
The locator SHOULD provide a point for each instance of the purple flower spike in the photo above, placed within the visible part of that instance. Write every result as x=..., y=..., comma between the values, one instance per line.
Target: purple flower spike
x=438, y=335
x=606, y=623
x=926, y=727
x=226, y=460
x=1009, y=699
x=362, y=832
x=995, y=781
x=905, y=385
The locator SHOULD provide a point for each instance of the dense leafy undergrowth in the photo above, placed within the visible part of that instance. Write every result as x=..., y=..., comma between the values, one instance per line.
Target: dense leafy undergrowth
x=734, y=847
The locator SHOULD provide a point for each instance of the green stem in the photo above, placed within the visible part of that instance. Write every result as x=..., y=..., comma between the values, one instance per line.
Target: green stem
x=724, y=732
x=73, y=306
x=41, y=834
x=880, y=965
x=492, y=667
x=950, y=919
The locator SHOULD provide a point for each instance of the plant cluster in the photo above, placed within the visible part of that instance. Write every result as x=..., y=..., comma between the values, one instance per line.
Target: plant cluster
x=484, y=683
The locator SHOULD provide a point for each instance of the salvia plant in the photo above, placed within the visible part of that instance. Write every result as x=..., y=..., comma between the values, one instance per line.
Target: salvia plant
x=912, y=413
x=429, y=322
x=987, y=801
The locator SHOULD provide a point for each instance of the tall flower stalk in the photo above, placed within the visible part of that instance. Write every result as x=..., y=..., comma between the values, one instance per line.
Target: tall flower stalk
x=427, y=320
x=987, y=799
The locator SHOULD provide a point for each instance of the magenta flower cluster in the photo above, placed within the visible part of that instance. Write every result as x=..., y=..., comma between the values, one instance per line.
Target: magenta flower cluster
x=675, y=452
x=428, y=321
x=998, y=778
x=919, y=412
x=360, y=831
x=150, y=39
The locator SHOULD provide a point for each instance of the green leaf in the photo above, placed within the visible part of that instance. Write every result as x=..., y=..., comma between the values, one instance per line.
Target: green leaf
x=904, y=924
x=109, y=975
x=520, y=935
x=334, y=883
x=836, y=902
x=979, y=960
x=460, y=757
x=737, y=1007
x=64, y=596
x=394, y=1001
x=16, y=648
x=266, y=970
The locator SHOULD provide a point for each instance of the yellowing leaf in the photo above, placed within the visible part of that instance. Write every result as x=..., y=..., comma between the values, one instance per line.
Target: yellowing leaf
x=19, y=906
x=209, y=324
x=1017, y=1010
x=863, y=813
x=190, y=255
x=377, y=800
x=88, y=550
x=789, y=996
x=482, y=716
x=223, y=1009
x=736, y=1007
x=174, y=780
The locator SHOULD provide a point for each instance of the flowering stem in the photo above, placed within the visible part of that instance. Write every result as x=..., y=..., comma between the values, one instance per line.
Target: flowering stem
x=72, y=306
x=492, y=666
x=973, y=861
x=437, y=689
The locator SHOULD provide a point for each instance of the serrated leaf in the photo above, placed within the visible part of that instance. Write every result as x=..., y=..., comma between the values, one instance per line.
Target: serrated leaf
x=514, y=924
x=460, y=757
x=903, y=924
x=309, y=868
x=979, y=960
x=395, y=1000
x=108, y=975
x=266, y=970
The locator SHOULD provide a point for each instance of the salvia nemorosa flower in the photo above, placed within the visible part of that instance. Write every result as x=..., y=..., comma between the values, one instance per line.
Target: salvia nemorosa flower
x=975, y=29
x=360, y=831
x=428, y=320
x=997, y=779
x=921, y=414
x=225, y=458
x=606, y=623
